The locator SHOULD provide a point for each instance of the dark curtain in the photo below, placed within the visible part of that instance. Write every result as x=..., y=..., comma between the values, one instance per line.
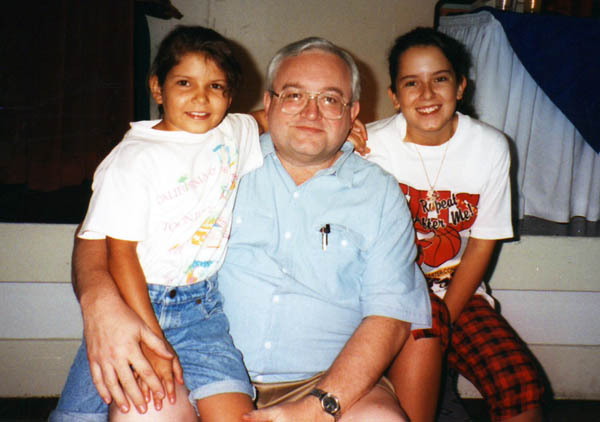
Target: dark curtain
x=67, y=88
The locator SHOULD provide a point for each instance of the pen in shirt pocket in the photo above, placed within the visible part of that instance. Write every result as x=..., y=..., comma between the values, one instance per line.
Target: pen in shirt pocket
x=325, y=230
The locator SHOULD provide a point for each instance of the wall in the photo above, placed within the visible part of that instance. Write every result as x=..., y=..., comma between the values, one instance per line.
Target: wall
x=548, y=288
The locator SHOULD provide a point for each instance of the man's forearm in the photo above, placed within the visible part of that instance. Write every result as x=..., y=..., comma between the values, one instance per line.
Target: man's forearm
x=90, y=277
x=365, y=357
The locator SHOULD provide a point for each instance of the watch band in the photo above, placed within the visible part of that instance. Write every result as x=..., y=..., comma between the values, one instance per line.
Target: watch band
x=329, y=402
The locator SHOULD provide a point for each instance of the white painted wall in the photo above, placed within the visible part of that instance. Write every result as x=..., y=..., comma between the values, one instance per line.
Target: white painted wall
x=365, y=28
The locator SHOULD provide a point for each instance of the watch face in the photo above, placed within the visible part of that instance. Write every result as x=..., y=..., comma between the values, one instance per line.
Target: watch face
x=330, y=404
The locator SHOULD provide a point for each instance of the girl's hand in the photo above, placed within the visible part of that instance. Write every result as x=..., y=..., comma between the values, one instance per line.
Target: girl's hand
x=358, y=137
x=168, y=371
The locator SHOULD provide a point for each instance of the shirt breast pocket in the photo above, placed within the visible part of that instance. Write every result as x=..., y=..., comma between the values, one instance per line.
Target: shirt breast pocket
x=336, y=250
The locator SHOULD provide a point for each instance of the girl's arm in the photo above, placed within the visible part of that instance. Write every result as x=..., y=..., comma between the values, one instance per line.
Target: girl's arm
x=358, y=136
x=261, y=119
x=125, y=268
x=468, y=275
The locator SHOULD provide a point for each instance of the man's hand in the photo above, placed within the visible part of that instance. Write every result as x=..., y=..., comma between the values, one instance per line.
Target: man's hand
x=113, y=333
x=307, y=409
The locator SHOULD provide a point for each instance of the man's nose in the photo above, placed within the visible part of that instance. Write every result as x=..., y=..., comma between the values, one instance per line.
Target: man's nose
x=311, y=109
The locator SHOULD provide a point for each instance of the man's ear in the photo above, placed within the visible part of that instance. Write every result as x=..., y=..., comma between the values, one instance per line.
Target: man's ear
x=354, y=110
x=267, y=99
x=155, y=89
x=393, y=98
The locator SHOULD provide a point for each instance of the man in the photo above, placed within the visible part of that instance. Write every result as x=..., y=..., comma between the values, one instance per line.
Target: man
x=320, y=283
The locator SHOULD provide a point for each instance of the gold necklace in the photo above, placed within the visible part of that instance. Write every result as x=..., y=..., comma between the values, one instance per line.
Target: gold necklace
x=432, y=195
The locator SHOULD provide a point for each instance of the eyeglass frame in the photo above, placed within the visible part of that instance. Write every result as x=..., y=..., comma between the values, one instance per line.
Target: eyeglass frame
x=311, y=95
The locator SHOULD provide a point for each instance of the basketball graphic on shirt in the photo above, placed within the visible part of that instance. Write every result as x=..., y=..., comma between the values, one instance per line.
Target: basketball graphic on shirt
x=444, y=245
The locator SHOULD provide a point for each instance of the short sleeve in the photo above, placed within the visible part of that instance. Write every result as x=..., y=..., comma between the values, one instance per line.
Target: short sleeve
x=393, y=284
x=494, y=219
x=245, y=131
x=119, y=206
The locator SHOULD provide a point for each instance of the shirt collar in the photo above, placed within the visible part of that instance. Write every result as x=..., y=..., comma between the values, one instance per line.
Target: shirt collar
x=344, y=173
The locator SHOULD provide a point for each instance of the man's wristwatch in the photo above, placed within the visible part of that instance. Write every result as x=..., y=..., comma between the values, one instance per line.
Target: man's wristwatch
x=329, y=402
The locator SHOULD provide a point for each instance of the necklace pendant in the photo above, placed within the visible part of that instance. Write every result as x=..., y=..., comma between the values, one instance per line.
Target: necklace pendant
x=432, y=197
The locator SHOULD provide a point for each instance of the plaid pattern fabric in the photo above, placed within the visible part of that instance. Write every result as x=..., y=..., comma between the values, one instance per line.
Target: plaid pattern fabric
x=488, y=352
x=440, y=322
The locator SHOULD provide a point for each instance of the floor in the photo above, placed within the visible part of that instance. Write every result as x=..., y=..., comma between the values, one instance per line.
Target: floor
x=37, y=410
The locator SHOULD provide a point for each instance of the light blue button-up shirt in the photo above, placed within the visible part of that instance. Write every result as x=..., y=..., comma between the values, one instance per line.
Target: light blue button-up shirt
x=292, y=302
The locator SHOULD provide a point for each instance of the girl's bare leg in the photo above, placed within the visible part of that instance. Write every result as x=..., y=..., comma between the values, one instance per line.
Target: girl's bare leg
x=182, y=410
x=227, y=407
x=377, y=405
x=531, y=415
x=416, y=374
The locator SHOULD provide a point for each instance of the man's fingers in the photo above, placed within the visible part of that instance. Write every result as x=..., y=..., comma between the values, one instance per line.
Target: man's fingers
x=114, y=387
x=99, y=382
x=131, y=387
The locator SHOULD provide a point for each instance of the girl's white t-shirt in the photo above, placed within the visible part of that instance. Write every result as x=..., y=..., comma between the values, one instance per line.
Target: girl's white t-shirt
x=473, y=188
x=173, y=193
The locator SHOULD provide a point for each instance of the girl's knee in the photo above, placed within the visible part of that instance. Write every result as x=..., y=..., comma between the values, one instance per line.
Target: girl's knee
x=378, y=405
x=182, y=410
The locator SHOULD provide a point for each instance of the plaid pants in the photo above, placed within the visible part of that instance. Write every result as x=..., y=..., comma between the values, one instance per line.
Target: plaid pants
x=484, y=348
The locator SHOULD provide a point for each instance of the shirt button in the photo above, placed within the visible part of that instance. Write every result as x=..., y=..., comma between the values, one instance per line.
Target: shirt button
x=283, y=270
x=275, y=299
x=268, y=345
x=287, y=235
x=296, y=195
x=344, y=243
x=172, y=293
x=258, y=378
x=238, y=220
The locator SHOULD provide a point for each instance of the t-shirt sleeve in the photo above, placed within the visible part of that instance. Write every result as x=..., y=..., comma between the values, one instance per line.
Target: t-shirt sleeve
x=382, y=152
x=246, y=131
x=494, y=219
x=393, y=284
x=119, y=206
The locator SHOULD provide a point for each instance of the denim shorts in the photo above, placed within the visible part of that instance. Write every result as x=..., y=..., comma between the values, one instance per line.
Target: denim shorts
x=193, y=322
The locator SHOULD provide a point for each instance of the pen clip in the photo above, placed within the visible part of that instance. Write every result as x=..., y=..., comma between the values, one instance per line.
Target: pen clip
x=325, y=230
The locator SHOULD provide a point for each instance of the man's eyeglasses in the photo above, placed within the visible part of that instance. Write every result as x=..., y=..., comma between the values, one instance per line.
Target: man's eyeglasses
x=293, y=101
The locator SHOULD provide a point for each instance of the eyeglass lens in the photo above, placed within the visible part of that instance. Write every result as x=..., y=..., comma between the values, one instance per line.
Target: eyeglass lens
x=331, y=105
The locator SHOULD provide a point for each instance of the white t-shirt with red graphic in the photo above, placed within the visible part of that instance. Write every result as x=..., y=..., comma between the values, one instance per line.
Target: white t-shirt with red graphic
x=173, y=193
x=473, y=189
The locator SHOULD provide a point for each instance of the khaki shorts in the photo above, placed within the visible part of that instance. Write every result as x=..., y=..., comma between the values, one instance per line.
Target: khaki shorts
x=273, y=393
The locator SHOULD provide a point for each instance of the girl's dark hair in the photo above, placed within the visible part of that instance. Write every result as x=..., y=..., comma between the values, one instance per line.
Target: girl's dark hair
x=197, y=39
x=455, y=51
